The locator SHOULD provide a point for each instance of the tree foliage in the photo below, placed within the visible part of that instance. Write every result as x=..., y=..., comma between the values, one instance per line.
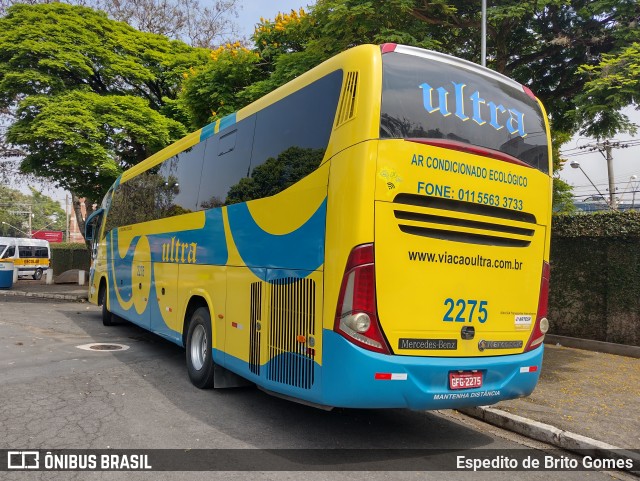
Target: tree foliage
x=293, y=43
x=83, y=140
x=216, y=89
x=80, y=48
x=90, y=96
x=614, y=84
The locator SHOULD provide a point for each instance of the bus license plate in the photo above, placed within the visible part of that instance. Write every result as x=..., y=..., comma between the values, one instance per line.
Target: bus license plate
x=465, y=380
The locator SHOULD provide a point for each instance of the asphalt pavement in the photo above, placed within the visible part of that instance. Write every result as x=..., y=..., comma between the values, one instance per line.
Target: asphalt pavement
x=585, y=399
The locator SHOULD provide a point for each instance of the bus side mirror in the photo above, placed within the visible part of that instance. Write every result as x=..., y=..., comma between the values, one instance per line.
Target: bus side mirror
x=89, y=231
x=92, y=223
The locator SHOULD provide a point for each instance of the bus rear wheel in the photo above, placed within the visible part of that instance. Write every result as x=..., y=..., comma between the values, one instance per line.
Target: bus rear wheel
x=37, y=275
x=199, y=355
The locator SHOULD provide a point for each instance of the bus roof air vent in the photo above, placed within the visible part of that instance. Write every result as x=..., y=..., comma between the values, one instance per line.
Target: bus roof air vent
x=348, y=100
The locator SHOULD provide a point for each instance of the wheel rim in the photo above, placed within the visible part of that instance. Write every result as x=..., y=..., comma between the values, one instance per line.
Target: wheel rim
x=198, y=347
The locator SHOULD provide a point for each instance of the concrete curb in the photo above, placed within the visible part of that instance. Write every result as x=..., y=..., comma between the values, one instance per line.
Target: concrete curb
x=549, y=434
x=45, y=295
x=590, y=345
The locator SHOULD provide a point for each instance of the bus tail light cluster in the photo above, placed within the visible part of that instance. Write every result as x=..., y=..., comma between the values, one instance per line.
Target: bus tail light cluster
x=542, y=323
x=356, y=314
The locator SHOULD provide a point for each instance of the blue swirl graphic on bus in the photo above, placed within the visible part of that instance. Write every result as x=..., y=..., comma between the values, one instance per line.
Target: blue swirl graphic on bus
x=302, y=249
x=122, y=272
x=197, y=246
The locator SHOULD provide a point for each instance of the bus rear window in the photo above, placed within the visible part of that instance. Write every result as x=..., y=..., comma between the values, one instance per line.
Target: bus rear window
x=426, y=98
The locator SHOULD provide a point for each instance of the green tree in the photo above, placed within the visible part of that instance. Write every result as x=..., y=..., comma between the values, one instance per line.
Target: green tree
x=552, y=46
x=291, y=44
x=12, y=222
x=90, y=96
x=47, y=213
x=294, y=43
x=83, y=140
x=216, y=89
x=614, y=84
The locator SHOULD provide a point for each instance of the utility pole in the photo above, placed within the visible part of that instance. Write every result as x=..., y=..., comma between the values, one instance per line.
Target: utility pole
x=30, y=214
x=604, y=147
x=612, y=189
x=483, y=35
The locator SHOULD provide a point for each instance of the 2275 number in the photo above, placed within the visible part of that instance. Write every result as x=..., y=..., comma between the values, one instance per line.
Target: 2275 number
x=465, y=310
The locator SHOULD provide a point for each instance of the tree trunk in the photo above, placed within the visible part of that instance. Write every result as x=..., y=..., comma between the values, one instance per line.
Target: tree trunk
x=81, y=217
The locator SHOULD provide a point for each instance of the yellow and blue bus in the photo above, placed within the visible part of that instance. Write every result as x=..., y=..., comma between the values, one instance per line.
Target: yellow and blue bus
x=373, y=234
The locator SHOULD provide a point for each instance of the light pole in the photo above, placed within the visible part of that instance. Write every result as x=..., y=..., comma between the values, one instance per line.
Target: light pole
x=14, y=227
x=576, y=165
x=483, y=34
x=628, y=186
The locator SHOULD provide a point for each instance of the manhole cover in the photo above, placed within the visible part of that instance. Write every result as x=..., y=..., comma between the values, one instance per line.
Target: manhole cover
x=103, y=346
x=106, y=347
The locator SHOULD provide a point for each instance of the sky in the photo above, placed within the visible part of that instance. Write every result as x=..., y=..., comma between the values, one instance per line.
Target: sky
x=251, y=10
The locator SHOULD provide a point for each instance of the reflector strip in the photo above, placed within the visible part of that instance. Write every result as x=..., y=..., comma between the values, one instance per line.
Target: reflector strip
x=529, y=369
x=236, y=325
x=390, y=376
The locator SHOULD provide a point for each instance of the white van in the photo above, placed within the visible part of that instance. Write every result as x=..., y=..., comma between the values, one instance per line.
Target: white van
x=30, y=256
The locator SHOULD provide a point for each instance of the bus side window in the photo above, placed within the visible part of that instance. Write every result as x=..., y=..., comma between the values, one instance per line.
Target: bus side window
x=303, y=119
x=291, y=137
x=133, y=201
x=180, y=181
x=227, y=142
x=226, y=161
x=25, y=251
x=42, y=252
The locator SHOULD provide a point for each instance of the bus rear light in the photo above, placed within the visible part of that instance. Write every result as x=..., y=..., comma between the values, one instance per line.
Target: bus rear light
x=542, y=323
x=360, y=322
x=529, y=92
x=388, y=47
x=390, y=376
x=356, y=314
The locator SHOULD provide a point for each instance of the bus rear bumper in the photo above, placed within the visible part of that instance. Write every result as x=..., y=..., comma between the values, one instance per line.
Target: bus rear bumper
x=354, y=377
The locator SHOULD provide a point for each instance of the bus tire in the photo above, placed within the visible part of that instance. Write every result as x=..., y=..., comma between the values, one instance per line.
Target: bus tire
x=37, y=275
x=107, y=316
x=199, y=355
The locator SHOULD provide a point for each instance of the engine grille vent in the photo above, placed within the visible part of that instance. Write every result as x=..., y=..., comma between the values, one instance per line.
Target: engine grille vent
x=255, y=317
x=292, y=322
x=347, y=107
